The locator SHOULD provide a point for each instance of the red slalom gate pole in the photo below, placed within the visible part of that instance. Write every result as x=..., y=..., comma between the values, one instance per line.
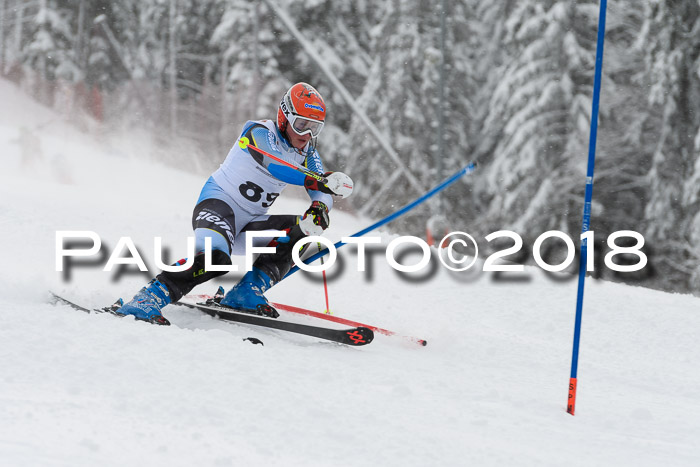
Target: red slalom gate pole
x=325, y=283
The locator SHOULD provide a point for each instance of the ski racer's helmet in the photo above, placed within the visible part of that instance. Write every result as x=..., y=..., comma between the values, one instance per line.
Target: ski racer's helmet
x=302, y=108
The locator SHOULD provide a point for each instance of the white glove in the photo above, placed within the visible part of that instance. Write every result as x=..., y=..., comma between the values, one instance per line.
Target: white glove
x=333, y=183
x=339, y=183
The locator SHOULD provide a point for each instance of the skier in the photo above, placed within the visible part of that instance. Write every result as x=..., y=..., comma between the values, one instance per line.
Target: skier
x=236, y=198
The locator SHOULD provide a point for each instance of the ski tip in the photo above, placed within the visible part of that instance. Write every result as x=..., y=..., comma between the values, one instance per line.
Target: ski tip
x=359, y=336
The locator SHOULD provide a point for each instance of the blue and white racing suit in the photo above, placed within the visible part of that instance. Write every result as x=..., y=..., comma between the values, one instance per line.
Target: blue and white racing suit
x=238, y=195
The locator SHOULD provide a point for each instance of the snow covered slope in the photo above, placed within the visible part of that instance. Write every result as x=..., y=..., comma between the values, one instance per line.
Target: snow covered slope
x=489, y=389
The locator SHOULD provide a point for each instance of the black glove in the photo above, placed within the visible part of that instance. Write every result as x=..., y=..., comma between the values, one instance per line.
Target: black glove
x=315, y=219
x=311, y=183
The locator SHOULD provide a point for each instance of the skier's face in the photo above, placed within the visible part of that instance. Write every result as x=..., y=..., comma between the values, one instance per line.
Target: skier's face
x=298, y=141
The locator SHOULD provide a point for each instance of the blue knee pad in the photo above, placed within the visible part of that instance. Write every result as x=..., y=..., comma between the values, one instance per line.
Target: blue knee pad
x=218, y=241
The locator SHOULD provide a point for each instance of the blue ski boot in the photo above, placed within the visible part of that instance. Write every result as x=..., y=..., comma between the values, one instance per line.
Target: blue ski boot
x=247, y=295
x=146, y=304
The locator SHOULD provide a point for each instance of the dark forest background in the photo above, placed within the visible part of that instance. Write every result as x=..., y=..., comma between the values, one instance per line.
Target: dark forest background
x=517, y=81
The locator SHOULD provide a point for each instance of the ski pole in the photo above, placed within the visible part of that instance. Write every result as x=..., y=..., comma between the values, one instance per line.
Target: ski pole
x=245, y=143
x=341, y=184
x=466, y=170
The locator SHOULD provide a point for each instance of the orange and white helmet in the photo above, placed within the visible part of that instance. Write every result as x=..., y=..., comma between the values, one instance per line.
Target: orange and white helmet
x=303, y=109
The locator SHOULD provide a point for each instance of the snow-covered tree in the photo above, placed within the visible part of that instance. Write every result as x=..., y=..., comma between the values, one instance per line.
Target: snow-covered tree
x=671, y=39
x=48, y=49
x=540, y=109
x=249, y=54
x=627, y=133
x=401, y=96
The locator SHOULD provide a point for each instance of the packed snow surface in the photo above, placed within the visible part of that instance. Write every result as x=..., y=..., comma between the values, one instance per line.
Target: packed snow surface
x=489, y=389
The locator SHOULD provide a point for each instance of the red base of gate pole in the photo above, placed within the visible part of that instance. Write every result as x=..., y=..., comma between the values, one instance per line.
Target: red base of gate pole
x=571, y=405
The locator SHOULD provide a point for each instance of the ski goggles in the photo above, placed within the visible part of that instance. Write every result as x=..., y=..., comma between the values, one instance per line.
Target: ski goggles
x=302, y=125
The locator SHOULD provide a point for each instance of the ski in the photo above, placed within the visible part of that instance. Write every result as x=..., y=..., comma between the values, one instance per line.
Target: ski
x=216, y=298
x=112, y=309
x=55, y=299
x=355, y=336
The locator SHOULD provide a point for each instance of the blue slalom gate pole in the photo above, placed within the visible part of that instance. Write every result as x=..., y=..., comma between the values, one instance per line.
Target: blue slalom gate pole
x=571, y=403
x=468, y=169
